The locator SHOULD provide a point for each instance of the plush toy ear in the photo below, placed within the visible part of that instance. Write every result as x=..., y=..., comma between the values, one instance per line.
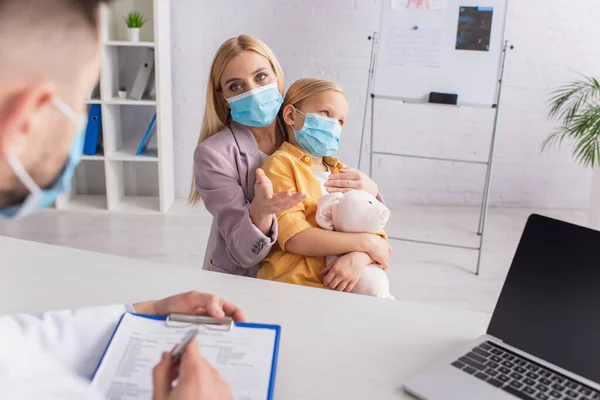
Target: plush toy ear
x=325, y=210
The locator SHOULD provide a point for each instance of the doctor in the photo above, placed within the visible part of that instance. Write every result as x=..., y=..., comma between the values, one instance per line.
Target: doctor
x=49, y=61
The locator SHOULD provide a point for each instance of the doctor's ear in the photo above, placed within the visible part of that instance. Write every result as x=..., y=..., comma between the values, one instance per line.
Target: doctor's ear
x=18, y=113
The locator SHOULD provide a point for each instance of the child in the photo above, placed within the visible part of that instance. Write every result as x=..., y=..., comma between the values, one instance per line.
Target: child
x=314, y=112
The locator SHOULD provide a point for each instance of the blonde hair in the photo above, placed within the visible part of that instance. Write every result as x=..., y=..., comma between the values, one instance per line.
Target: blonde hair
x=307, y=87
x=216, y=114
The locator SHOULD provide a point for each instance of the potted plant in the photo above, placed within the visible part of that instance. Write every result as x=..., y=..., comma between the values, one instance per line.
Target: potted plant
x=576, y=106
x=122, y=92
x=134, y=20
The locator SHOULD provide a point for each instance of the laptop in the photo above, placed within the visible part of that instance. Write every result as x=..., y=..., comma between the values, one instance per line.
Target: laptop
x=543, y=341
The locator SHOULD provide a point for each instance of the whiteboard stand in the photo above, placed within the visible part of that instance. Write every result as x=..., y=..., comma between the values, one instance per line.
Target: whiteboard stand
x=488, y=163
x=373, y=39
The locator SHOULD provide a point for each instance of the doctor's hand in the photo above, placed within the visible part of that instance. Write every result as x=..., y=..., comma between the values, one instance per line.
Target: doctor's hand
x=351, y=179
x=197, y=379
x=194, y=303
x=266, y=203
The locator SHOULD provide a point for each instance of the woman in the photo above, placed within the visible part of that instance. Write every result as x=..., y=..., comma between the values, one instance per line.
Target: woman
x=239, y=131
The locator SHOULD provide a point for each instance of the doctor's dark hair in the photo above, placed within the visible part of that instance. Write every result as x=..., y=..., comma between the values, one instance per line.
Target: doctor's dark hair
x=49, y=29
x=61, y=14
x=216, y=114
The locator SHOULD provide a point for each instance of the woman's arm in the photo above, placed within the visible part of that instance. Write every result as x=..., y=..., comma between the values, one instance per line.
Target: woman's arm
x=217, y=180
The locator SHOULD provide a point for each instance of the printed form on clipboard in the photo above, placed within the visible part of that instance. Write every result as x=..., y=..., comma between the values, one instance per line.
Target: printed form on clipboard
x=244, y=354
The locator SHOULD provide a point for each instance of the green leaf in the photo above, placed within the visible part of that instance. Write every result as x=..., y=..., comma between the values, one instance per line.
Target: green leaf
x=576, y=107
x=135, y=19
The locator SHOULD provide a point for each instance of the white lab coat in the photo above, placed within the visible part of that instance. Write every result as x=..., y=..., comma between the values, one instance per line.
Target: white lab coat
x=53, y=355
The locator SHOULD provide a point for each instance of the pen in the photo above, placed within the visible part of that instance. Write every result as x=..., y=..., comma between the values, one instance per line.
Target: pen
x=178, y=351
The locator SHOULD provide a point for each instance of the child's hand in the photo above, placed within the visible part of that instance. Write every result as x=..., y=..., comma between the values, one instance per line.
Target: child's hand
x=343, y=273
x=379, y=249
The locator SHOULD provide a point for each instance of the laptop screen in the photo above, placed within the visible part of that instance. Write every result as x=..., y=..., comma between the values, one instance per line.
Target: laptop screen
x=550, y=302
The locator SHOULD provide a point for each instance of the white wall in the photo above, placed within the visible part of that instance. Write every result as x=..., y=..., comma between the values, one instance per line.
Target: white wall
x=328, y=38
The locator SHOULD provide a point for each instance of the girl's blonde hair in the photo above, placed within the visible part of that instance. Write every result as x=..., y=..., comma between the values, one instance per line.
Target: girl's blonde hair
x=307, y=87
x=216, y=114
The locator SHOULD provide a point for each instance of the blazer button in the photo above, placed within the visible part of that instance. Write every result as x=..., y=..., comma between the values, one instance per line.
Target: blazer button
x=307, y=159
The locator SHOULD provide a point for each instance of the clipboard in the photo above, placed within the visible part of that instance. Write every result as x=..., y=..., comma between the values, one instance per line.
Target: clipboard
x=211, y=327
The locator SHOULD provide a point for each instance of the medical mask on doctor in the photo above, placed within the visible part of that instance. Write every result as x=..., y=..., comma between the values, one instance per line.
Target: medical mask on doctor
x=39, y=198
x=257, y=108
x=319, y=136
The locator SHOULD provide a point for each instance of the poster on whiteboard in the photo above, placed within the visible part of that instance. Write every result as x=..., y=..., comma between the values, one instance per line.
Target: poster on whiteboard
x=425, y=5
x=474, y=28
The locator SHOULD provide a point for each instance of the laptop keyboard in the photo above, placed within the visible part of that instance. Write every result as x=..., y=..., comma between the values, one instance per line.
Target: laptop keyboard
x=519, y=377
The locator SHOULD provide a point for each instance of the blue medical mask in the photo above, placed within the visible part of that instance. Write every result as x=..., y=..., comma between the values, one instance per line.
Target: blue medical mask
x=257, y=107
x=320, y=135
x=39, y=198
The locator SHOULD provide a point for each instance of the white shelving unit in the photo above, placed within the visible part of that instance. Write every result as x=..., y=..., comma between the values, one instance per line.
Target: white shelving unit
x=116, y=179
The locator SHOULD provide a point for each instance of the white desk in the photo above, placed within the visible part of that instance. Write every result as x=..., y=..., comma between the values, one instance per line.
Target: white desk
x=334, y=345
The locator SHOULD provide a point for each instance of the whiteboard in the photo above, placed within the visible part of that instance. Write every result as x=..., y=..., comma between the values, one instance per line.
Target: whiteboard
x=437, y=66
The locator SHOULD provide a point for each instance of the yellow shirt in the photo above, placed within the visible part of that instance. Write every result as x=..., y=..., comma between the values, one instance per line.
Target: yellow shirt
x=290, y=169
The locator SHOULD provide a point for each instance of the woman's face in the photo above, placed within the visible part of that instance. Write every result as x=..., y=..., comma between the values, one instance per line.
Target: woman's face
x=246, y=71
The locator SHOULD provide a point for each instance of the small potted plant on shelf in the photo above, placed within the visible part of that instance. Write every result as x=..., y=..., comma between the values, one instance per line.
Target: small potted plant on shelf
x=122, y=92
x=576, y=106
x=134, y=20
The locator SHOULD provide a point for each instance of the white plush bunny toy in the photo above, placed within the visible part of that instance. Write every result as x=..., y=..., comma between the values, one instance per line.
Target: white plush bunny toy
x=357, y=211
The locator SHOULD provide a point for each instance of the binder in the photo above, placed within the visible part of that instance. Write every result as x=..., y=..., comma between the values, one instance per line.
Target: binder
x=150, y=92
x=92, y=133
x=143, y=75
x=237, y=350
x=146, y=137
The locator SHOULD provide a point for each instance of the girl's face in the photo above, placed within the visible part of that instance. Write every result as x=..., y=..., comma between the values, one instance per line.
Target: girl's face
x=246, y=71
x=330, y=104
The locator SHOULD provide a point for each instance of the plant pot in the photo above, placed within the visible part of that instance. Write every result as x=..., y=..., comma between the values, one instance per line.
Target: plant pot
x=594, y=213
x=134, y=34
x=122, y=94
